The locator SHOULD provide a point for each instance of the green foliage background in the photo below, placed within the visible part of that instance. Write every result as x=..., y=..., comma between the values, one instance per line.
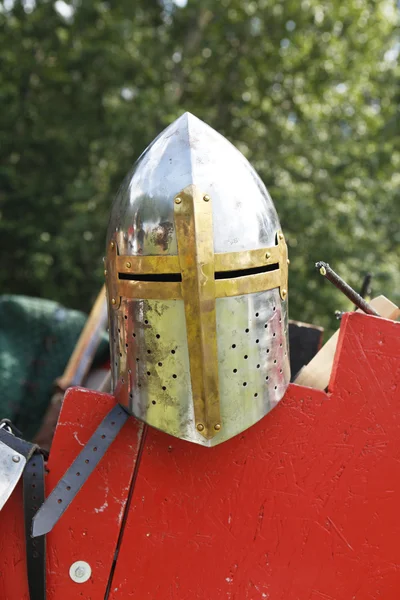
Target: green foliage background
x=308, y=90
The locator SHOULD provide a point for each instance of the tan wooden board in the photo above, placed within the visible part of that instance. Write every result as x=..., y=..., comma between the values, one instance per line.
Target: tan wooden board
x=318, y=371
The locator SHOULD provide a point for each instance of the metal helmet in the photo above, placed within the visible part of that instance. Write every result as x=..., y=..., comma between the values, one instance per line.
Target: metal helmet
x=196, y=272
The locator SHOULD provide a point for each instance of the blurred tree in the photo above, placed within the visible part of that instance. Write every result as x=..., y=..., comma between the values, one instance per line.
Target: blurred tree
x=308, y=91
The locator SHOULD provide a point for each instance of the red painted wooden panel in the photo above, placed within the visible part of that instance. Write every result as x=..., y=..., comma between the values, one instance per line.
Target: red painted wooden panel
x=89, y=528
x=302, y=506
x=13, y=579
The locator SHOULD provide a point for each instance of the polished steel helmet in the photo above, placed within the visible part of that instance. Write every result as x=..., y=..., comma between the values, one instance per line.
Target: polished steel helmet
x=196, y=272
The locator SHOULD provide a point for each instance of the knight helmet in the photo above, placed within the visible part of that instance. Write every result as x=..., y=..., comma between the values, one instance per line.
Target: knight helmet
x=196, y=271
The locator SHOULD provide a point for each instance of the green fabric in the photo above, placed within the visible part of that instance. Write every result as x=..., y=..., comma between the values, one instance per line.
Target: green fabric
x=37, y=338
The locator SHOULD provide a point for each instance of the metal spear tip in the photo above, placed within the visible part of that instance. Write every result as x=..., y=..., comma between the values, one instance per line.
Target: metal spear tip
x=348, y=291
x=322, y=267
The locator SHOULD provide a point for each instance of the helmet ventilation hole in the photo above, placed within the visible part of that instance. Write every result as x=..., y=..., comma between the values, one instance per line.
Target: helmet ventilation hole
x=134, y=335
x=148, y=351
x=258, y=366
x=256, y=314
x=247, y=330
x=245, y=357
x=255, y=395
x=148, y=373
x=158, y=336
x=257, y=341
x=153, y=402
x=164, y=388
x=172, y=351
x=146, y=322
x=160, y=364
x=235, y=370
x=174, y=376
x=233, y=345
x=244, y=383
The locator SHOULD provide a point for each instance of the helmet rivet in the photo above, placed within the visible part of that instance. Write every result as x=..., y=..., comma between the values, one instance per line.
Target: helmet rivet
x=268, y=255
x=200, y=427
x=16, y=458
x=128, y=265
x=288, y=261
x=280, y=236
x=105, y=271
x=283, y=293
x=113, y=301
x=206, y=198
x=217, y=426
x=178, y=200
x=112, y=245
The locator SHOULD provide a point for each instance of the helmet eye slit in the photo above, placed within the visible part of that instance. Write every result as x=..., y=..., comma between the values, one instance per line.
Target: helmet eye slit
x=177, y=277
x=246, y=272
x=161, y=277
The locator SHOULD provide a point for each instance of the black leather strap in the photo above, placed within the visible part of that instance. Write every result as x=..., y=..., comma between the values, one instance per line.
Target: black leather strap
x=82, y=467
x=17, y=444
x=34, y=495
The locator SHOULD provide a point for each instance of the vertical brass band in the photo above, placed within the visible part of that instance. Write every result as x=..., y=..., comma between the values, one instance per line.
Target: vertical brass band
x=283, y=264
x=194, y=231
x=111, y=274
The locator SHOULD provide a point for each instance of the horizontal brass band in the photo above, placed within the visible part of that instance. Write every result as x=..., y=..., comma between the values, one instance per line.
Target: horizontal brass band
x=229, y=261
x=224, y=288
x=150, y=290
x=250, y=284
x=246, y=259
x=150, y=265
